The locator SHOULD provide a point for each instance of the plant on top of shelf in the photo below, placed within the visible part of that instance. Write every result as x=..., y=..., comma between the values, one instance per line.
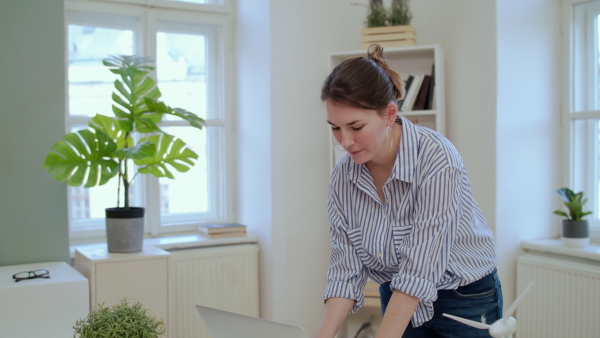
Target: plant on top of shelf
x=400, y=13
x=574, y=203
x=120, y=320
x=93, y=156
x=397, y=15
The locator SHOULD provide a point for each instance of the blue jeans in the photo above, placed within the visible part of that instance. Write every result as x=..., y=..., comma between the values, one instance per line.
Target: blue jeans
x=480, y=298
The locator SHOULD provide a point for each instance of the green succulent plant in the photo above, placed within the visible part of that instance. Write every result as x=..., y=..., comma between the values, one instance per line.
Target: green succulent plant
x=574, y=203
x=126, y=319
x=108, y=148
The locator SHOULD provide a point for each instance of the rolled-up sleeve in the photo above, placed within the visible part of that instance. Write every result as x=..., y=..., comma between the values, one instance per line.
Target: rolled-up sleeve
x=424, y=253
x=346, y=276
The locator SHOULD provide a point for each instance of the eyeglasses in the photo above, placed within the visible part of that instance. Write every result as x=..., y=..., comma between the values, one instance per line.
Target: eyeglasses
x=31, y=275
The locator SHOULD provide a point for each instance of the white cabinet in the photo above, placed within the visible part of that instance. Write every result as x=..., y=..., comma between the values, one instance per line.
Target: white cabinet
x=415, y=60
x=42, y=307
x=141, y=276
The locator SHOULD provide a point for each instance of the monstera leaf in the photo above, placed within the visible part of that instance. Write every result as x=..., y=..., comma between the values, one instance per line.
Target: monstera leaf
x=83, y=156
x=133, y=87
x=162, y=108
x=170, y=151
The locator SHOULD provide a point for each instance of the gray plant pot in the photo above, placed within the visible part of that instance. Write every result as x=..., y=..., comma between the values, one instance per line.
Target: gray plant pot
x=575, y=234
x=124, y=229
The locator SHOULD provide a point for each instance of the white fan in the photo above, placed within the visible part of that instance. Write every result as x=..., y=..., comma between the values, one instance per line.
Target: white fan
x=503, y=327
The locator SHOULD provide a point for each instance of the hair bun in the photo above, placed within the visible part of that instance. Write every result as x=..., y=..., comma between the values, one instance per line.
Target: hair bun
x=375, y=53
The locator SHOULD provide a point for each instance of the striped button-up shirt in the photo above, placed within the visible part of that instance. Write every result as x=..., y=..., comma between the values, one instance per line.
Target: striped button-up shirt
x=429, y=235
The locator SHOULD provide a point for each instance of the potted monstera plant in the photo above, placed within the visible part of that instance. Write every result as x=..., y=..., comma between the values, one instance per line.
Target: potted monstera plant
x=123, y=146
x=575, y=230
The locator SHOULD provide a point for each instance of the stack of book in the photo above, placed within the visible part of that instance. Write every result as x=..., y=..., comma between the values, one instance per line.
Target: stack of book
x=222, y=230
x=419, y=93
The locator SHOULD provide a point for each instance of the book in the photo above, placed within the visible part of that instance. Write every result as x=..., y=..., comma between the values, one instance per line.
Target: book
x=430, y=99
x=407, y=83
x=224, y=234
x=423, y=95
x=221, y=228
x=409, y=100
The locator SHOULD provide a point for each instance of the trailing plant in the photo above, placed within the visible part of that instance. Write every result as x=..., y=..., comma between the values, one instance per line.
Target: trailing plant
x=574, y=203
x=400, y=13
x=108, y=148
x=120, y=320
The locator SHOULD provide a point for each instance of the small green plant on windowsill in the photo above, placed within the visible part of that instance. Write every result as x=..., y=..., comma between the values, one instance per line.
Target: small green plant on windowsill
x=126, y=319
x=574, y=203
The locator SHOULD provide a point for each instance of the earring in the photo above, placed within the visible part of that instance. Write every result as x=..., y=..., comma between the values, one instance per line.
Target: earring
x=391, y=144
x=334, y=144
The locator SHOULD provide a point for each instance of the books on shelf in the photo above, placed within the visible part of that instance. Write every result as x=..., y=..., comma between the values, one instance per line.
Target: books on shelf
x=222, y=230
x=419, y=94
x=411, y=94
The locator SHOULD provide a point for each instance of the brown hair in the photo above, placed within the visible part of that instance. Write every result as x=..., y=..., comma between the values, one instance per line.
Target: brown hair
x=367, y=83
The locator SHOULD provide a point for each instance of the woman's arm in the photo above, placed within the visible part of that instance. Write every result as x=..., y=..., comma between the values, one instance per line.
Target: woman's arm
x=398, y=313
x=334, y=315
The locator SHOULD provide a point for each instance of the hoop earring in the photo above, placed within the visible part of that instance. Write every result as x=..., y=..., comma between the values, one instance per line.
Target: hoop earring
x=391, y=144
x=335, y=146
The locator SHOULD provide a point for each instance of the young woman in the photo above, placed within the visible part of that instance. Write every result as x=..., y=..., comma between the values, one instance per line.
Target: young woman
x=402, y=213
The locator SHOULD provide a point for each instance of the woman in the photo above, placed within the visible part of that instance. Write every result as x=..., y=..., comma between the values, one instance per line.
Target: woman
x=402, y=213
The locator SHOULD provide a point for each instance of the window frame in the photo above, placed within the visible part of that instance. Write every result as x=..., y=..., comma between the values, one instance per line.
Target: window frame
x=152, y=14
x=576, y=105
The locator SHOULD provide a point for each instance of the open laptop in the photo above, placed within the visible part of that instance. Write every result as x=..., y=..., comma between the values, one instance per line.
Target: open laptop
x=223, y=324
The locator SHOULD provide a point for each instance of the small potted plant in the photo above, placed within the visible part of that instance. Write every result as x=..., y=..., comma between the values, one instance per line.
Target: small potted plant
x=126, y=319
x=124, y=146
x=575, y=230
x=389, y=27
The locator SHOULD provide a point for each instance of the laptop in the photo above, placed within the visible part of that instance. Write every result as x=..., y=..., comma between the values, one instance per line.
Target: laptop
x=223, y=324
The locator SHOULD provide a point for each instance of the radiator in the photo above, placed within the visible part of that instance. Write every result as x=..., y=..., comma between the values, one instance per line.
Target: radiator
x=223, y=277
x=564, y=301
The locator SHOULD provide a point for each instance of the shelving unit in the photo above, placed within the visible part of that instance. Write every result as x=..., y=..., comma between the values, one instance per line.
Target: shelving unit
x=409, y=61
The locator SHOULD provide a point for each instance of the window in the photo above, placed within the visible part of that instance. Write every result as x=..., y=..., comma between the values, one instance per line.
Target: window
x=582, y=115
x=187, y=40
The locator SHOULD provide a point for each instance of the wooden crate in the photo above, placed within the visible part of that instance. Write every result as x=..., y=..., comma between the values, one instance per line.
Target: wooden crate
x=389, y=36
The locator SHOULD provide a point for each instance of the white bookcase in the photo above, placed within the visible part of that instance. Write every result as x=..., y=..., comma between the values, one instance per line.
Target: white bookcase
x=414, y=60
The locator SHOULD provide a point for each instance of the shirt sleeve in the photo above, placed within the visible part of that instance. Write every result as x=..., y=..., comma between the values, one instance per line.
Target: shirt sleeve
x=424, y=253
x=346, y=276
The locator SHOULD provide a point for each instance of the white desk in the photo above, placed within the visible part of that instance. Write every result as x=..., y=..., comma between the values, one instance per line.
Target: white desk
x=42, y=307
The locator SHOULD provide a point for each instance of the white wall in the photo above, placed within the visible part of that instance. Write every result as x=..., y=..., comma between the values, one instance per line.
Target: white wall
x=528, y=137
x=283, y=138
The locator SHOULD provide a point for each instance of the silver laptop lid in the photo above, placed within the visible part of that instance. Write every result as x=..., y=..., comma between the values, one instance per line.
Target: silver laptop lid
x=223, y=324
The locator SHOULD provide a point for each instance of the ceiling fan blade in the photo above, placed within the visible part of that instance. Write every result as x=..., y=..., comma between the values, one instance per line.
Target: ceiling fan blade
x=514, y=305
x=468, y=322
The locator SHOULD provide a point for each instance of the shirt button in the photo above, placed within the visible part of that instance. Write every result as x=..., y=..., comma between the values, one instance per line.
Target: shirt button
x=379, y=254
x=384, y=216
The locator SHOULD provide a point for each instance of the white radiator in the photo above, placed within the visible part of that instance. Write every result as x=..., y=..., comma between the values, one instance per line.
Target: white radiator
x=564, y=301
x=223, y=277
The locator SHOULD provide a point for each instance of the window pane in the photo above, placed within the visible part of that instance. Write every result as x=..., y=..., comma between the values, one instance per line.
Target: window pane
x=188, y=192
x=181, y=71
x=586, y=168
x=90, y=82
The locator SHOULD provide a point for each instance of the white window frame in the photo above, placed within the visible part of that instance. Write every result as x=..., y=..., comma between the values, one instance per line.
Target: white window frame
x=582, y=74
x=153, y=13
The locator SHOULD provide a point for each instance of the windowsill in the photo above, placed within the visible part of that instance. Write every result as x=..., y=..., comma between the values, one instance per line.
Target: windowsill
x=555, y=246
x=187, y=241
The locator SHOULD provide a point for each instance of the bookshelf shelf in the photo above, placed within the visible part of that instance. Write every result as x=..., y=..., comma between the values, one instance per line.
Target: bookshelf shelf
x=406, y=61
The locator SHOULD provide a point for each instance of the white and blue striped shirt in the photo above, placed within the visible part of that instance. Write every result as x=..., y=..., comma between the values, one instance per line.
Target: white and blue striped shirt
x=429, y=234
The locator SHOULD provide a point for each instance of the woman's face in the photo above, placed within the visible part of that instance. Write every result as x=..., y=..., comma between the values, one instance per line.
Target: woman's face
x=361, y=132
